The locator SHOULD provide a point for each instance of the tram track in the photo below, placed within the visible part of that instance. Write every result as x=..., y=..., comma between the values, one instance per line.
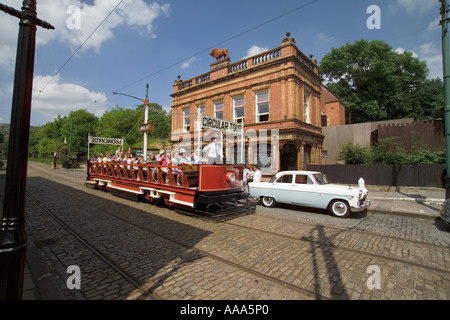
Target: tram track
x=104, y=257
x=317, y=243
x=354, y=230
x=337, y=246
x=135, y=281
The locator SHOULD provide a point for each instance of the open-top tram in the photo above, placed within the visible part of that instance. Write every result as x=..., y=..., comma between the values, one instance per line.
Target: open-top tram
x=214, y=191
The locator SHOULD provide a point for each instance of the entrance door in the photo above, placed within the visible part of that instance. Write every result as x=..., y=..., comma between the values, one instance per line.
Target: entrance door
x=288, y=157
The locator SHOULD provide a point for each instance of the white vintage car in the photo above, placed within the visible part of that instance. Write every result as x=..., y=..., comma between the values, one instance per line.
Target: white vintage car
x=311, y=189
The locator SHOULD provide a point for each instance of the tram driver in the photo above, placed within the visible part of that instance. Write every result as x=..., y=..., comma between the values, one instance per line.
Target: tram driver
x=213, y=152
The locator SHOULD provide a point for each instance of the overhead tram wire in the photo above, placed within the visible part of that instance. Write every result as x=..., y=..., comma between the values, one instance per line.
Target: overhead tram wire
x=219, y=43
x=76, y=51
x=207, y=49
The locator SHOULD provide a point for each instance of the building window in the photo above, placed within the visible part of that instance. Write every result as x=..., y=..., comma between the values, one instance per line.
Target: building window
x=306, y=105
x=238, y=105
x=218, y=109
x=186, y=120
x=262, y=106
x=201, y=110
x=262, y=157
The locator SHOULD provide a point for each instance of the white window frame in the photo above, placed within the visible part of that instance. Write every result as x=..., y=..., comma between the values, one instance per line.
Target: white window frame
x=235, y=118
x=306, y=105
x=259, y=102
x=216, y=104
x=199, y=109
x=186, y=120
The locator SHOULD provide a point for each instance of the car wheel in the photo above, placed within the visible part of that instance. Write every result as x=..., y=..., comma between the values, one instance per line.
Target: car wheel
x=268, y=202
x=340, y=208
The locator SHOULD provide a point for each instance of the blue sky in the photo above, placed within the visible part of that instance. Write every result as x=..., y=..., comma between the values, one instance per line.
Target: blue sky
x=153, y=42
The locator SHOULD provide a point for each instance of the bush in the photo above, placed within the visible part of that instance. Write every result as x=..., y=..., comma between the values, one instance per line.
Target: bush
x=354, y=154
x=387, y=151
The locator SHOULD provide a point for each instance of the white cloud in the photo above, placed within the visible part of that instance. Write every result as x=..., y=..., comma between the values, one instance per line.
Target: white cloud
x=322, y=38
x=135, y=13
x=413, y=5
x=186, y=64
x=62, y=98
x=254, y=50
x=401, y=51
x=131, y=13
x=433, y=56
x=434, y=24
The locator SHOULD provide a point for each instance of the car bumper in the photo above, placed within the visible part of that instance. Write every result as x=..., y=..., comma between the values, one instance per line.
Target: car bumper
x=361, y=206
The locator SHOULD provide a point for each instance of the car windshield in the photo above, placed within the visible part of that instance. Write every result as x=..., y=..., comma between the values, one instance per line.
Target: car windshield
x=320, y=178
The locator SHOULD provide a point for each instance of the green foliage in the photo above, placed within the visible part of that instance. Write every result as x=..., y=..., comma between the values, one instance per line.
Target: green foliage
x=116, y=123
x=377, y=83
x=388, y=151
x=354, y=154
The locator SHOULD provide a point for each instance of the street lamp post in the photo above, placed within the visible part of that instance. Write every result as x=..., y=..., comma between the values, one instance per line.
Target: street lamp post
x=145, y=121
x=13, y=237
x=446, y=74
x=146, y=101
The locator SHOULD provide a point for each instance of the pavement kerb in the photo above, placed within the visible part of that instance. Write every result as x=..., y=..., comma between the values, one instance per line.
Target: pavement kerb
x=39, y=283
x=429, y=201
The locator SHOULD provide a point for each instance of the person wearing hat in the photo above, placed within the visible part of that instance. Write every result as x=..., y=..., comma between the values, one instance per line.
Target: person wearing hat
x=213, y=152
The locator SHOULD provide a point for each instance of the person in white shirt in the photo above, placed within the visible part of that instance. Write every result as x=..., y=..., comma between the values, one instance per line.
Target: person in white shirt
x=247, y=174
x=256, y=174
x=213, y=152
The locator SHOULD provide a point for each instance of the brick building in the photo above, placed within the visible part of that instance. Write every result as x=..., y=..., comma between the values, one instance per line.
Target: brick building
x=279, y=89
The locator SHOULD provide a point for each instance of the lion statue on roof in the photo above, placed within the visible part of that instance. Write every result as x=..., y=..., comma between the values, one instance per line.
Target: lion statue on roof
x=218, y=54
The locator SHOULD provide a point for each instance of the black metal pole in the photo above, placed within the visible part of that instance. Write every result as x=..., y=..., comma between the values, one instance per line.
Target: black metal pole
x=13, y=237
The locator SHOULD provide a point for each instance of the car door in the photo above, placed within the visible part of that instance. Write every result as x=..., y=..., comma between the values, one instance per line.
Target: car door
x=304, y=191
x=282, y=188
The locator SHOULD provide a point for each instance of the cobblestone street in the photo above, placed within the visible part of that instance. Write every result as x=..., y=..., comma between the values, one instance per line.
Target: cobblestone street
x=281, y=253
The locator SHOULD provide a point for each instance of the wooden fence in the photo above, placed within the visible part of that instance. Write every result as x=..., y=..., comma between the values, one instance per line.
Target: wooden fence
x=419, y=175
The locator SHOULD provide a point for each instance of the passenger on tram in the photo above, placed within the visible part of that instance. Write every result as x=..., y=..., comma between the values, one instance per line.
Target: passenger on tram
x=194, y=159
x=180, y=160
x=119, y=149
x=140, y=160
x=152, y=161
x=129, y=159
x=163, y=160
x=94, y=158
x=107, y=158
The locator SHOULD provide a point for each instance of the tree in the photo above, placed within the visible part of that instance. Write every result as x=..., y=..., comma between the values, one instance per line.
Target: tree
x=49, y=138
x=124, y=122
x=117, y=123
x=377, y=83
x=83, y=123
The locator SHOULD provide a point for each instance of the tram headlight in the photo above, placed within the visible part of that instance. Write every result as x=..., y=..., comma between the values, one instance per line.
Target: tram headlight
x=230, y=177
